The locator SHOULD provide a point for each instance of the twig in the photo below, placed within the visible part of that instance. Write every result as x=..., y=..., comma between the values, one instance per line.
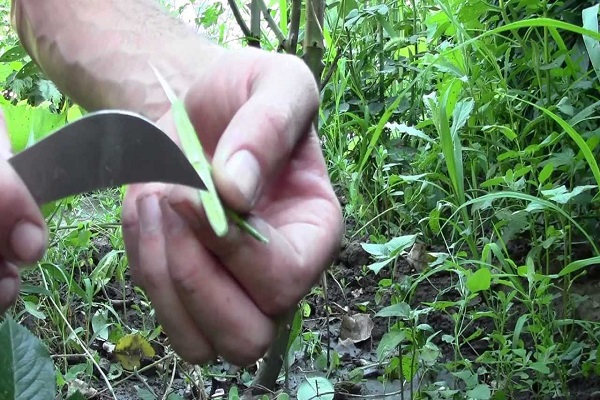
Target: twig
x=331, y=69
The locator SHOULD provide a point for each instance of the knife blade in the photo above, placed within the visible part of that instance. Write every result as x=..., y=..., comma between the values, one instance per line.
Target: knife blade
x=102, y=150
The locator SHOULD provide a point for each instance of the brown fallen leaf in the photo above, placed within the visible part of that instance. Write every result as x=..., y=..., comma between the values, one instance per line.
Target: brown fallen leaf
x=418, y=257
x=357, y=327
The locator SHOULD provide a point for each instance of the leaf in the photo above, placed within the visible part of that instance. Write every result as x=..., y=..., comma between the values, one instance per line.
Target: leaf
x=480, y=392
x=26, y=370
x=400, y=310
x=590, y=21
x=48, y=91
x=545, y=173
x=15, y=53
x=377, y=266
x=356, y=327
x=316, y=388
x=409, y=130
x=461, y=114
x=388, y=343
x=480, y=280
x=562, y=196
x=131, y=349
x=76, y=396
x=400, y=243
x=579, y=264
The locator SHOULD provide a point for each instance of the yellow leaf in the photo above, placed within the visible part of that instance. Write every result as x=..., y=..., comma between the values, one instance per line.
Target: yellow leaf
x=130, y=350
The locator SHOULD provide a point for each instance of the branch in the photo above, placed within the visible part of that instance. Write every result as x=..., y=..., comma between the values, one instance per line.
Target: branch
x=239, y=19
x=255, y=23
x=272, y=24
x=294, y=27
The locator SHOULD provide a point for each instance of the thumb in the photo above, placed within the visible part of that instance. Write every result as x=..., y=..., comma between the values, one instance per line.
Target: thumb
x=262, y=133
x=23, y=234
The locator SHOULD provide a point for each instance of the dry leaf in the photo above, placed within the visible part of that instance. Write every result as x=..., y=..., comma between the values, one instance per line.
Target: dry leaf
x=357, y=327
x=418, y=257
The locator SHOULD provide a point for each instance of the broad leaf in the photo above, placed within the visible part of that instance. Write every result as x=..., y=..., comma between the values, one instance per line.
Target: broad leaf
x=480, y=280
x=26, y=370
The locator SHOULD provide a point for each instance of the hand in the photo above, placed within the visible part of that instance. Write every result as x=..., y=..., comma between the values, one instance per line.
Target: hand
x=253, y=112
x=23, y=232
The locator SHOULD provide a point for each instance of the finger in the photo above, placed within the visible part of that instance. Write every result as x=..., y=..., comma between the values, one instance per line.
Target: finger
x=131, y=232
x=185, y=337
x=9, y=285
x=237, y=329
x=304, y=231
x=262, y=128
x=23, y=234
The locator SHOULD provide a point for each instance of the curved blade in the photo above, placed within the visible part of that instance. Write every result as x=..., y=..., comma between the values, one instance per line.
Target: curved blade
x=102, y=150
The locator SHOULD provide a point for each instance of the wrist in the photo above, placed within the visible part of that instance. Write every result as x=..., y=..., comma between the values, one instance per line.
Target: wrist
x=99, y=53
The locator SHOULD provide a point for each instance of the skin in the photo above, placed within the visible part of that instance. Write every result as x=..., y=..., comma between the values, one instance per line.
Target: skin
x=253, y=111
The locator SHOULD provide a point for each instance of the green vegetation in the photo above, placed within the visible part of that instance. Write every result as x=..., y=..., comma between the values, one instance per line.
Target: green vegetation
x=462, y=136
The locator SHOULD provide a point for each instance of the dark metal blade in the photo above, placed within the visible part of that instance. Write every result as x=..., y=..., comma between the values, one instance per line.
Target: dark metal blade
x=102, y=150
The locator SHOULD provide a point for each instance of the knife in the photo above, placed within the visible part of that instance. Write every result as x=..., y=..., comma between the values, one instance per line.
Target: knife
x=102, y=150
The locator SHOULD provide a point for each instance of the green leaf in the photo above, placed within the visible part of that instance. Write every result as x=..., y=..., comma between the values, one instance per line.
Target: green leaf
x=400, y=310
x=15, y=53
x=76, y=396
x=316, y=388
x=540, y=367
x=26, y=370
x=388, y=343
x=578, y=265
x=480, y=392
x=562, y=196
x=461, y=114
x=590, y=21
x=545, y=173
x=480, y=280
x=26, y=124
x=377, y=266
x=400, y=243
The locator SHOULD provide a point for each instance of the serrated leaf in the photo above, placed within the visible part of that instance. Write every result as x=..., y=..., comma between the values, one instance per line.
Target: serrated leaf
x=48, y=91
x=26, y=370
x=316, y=388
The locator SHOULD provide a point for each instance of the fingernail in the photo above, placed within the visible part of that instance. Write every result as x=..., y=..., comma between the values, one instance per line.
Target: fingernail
x=28, y=241
x=150, y=214
x=245, y=170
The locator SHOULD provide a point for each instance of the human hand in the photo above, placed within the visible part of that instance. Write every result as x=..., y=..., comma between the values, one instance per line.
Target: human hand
x=253, y=112
x=23, y=232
